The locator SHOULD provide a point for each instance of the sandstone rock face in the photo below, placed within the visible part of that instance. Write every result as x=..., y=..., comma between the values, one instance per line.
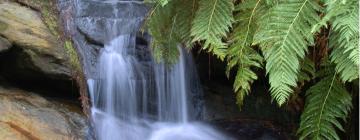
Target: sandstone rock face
x=25, y=115
x=26, y=31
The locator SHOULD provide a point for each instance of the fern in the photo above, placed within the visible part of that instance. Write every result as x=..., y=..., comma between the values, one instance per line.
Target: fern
x=240, y=53
x=212, y=21
x=162, y=28
x=284, y=35
x=326, y=101
x=307, y=71
x=185, y=10
x=170, y=25
x=246, y=59
x=344, y=39
x=345, y=55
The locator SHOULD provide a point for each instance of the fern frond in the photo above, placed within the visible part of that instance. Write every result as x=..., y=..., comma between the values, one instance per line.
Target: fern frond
x=307, y=70
x=240, y=54
x=212, y=21
x=284, y=35
x=326, y=102
x=345, y=55
x=246, y=21
x=344, y=40
x=161, y=25
x=170, y=25
x=185, y=10
x=245, y=58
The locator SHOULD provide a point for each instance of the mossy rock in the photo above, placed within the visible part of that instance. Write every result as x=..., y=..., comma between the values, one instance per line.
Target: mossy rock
x=72, y=54
x=48, y=12
x=25, y=29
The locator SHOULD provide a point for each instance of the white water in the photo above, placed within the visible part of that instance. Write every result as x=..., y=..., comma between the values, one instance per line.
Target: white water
x=128, y=103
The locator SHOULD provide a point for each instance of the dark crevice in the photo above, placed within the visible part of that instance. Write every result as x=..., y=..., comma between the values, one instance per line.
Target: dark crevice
x=17, y=70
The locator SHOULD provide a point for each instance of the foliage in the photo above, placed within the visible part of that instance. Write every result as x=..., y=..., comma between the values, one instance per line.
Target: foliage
x=189, y=21
x=165, y=40
x=247, y=33
x=211, y=23
x=326, y=101
x=344, y=39
x=307, y=71
x=241, y=54
x=284, y=35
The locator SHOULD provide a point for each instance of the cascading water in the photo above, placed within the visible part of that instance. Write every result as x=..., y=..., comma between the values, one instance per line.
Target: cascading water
x=136, y=101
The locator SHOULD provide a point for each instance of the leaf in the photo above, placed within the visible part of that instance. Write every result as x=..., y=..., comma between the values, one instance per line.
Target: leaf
x=161, y=25
x=212, y=21
x=284, y=35
x=170, y=26
x=241, y=54
x=344, y=39
x=326, y=102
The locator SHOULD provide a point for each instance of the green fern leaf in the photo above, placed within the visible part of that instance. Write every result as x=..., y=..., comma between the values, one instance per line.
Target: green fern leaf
x=212, y=21
x=246, y=21
x=170, y=26
x=161, y=25
x=246, y=59
x=185, y=13
x=307, y=71
x=326, y=102
x=240, y=53
x=344, y=39
x=284, y=35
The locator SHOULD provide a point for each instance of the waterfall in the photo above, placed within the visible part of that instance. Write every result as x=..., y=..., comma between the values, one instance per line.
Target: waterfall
x=136, y=100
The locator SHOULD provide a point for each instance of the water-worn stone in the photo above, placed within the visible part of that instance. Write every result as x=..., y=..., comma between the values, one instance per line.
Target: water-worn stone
x=88, y=22
x=25, y=115
x=25, y=30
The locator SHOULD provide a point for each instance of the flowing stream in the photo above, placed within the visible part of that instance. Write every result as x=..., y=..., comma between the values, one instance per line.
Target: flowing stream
x=132, y=100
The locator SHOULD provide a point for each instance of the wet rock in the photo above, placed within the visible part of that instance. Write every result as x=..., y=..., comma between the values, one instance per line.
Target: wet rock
x=88, y=24
x=25, y=115
x=40, y=50
x=93, y=23
x=248, y=129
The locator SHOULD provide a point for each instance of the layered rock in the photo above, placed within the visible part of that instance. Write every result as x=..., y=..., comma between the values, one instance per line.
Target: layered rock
x=24, y=29
x=26, y=115
x=33, y=57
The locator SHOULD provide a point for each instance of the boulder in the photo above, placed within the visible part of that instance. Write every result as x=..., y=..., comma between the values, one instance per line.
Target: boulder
x=25, y=30
x=26, y=115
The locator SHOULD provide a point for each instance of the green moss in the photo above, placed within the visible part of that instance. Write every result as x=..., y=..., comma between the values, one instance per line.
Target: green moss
x=74, y=59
